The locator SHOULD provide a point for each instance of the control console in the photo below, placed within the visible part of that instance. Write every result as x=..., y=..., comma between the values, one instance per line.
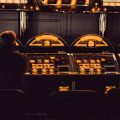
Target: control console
x=96, y=63
x=48, y=63
x=72, y=63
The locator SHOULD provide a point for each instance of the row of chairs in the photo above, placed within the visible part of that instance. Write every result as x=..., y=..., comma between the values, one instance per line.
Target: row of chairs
x=84, y=105
x=63, y=105
x=12, y=104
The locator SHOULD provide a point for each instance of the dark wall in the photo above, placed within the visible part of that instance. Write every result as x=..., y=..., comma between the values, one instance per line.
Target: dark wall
x=68, y=26
x=80, y=24
x=39, y=23
x=9, y=21
x=113, y=29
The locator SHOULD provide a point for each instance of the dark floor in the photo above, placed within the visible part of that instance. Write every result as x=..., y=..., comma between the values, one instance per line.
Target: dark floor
x=100, y=116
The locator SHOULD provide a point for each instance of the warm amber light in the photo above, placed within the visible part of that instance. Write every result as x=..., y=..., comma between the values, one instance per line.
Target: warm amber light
x=17, y=1
x=24, y=7
x=59, y=2
x=3, y=6
x=118, y=4
x=87, y=2
x=98, y=9
x=13, y=1
x=108, y=88
x=73, y=4
x=96, y=4
x=37, y=8
x=31, y=7
x=105, y=9
x=10, y=1
x=46, y=41
x=91, y=40
x=45, y=2
x=93, y=10
x=3, y=1
x=91, y=43
x=63, y=88
x=112, y=3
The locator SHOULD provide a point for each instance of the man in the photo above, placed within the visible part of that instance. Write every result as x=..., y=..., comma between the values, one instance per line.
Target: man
x=12, y=63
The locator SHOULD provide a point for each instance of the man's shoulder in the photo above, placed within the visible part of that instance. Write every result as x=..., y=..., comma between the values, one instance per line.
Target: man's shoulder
x=20, y=55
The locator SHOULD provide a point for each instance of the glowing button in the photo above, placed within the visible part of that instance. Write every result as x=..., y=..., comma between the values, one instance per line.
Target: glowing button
x=46, y=61
x=44, y=70
x=92, y=61
x=85, y=61
x=98, y=61
x=52, y=57
x=78, y=61
x=103, y=59
x=32, y=61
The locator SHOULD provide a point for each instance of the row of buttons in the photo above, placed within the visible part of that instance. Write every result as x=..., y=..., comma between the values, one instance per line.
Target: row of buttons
x=40, y=66
x=92, y=61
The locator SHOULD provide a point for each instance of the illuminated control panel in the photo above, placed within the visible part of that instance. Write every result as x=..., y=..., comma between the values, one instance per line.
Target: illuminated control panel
x=96, y=63
x=13, y=1
x=111, y=3
x=48, y=63
x=72, y=64
x=64, y=5
x=111, y=6
x=64, y=2
x=18, y=5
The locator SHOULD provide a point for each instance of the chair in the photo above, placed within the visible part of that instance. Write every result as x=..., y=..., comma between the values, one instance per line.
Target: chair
x=12, y=104
x=71, y=105
x=112, y=102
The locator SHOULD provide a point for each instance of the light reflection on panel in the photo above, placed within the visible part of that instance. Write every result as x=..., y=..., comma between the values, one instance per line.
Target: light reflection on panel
x=18, y=43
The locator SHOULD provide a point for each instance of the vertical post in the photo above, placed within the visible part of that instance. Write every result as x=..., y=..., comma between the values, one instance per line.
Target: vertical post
x=23, y=24
x=102, y=24
x=73, y=85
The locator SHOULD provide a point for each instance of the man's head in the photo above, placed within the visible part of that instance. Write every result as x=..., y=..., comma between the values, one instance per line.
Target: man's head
x=8, y=39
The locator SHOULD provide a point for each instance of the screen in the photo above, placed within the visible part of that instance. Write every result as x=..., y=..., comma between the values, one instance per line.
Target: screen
x=64, y=69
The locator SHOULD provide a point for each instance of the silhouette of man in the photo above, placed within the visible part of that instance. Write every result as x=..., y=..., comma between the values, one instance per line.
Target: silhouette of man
x=12, y=63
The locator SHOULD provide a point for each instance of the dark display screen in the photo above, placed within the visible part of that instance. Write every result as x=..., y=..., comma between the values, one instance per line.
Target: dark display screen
x=63, y=69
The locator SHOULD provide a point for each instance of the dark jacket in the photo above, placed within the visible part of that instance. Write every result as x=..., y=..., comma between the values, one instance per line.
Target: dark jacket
x=12, y=68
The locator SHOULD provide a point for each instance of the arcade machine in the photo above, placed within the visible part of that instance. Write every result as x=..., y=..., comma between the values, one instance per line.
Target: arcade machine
x=94, y=56
x=46, y=62
x=50, y=57
x=90, y=64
